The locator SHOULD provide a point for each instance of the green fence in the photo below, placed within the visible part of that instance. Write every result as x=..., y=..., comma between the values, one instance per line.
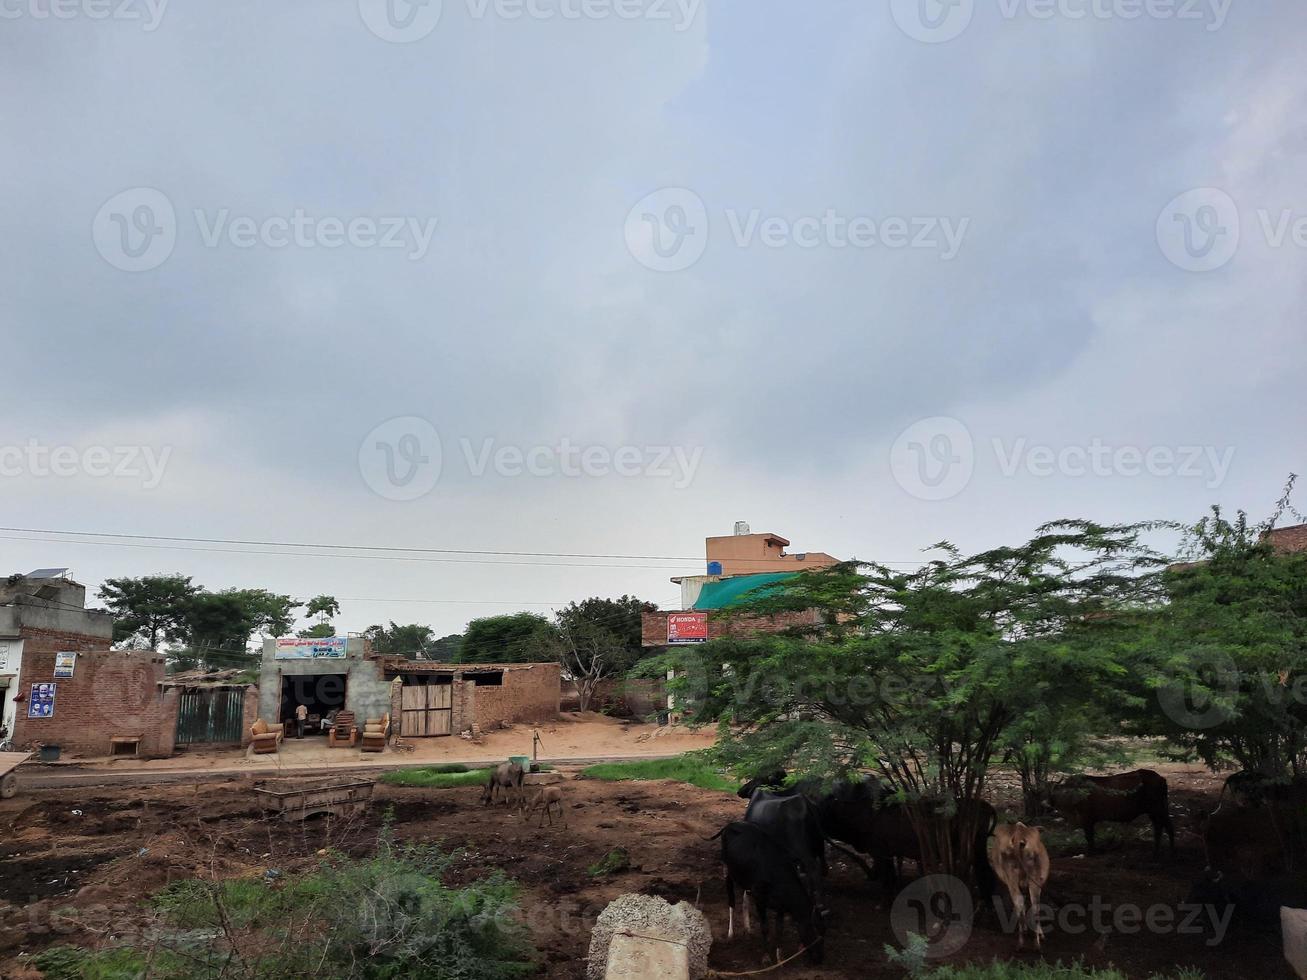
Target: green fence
x=210, y=715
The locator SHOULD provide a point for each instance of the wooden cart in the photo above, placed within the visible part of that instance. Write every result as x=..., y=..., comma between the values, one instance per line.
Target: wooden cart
x=296, y=799
x=9, y=761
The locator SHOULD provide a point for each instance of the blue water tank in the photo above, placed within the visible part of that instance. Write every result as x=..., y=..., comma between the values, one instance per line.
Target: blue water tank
x=714, y=568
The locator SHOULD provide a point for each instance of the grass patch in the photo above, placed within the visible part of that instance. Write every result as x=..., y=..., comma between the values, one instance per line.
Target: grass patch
x=614, y=862
x=689, y=768
x=379, y=918
x=437, y=777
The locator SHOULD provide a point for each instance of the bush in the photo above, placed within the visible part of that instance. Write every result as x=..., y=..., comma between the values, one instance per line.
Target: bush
x=437, y=777
x=382, y=918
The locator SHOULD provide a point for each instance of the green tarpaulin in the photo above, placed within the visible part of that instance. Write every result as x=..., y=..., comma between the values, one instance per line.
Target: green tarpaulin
x=732, y=591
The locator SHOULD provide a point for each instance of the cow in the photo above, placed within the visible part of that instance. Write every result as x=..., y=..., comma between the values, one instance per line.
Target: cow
x=1245, y=840
x=762, y=866
x=791, y=818
x=506, y=776
x=866, y=816
x=548, y=798
x=1020, y=861
x=1090, y=800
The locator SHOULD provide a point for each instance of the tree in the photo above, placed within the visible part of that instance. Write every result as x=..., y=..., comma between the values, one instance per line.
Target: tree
x=1229, y=644
x=447, y=649
x=588, y=653
x=219, y=623
x=414, y=640
x=922, y=676
x=513, y=638
x=149, y=610
x=322, y=606
x=271, y=614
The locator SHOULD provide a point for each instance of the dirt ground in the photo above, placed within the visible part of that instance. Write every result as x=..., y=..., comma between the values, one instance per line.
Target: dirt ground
x=114, y=846
x=573, y=735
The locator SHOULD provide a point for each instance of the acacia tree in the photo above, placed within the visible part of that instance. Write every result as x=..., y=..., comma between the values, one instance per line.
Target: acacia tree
x=920, y=676
x=1229, y=679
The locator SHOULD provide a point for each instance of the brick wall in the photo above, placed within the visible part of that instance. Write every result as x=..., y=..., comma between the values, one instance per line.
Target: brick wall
x=653, y=625
x=110, y=693
x=529, y=693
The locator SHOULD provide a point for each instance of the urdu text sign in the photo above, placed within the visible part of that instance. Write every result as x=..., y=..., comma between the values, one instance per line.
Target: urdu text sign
x=317, y=648
x=689, y=627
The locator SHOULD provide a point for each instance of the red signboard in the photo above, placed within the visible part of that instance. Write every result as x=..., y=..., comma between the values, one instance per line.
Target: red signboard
x=689, y=627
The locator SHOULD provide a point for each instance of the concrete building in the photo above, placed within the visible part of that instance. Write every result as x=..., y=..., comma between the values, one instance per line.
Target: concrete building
x=325, y=675
x=744, y=553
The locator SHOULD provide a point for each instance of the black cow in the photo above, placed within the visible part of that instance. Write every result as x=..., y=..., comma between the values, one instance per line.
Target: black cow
x=791, y=818
x=762, y=866
x=866, y=816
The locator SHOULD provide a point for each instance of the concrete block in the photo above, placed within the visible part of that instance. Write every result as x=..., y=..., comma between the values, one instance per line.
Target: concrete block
x=1293, y=927
x=542, y=778
x=632, y=956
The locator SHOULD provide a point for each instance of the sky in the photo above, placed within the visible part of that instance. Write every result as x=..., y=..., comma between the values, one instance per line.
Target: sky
x=602, y=277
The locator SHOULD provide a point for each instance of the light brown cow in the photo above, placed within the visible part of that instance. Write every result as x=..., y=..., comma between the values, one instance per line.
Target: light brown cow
x=1020, y=861
x=548, y=798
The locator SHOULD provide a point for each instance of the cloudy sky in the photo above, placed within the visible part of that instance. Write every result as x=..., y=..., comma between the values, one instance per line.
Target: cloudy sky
x=603, y=277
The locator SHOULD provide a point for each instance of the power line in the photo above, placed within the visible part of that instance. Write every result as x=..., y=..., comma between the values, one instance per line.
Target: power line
x=124, y=538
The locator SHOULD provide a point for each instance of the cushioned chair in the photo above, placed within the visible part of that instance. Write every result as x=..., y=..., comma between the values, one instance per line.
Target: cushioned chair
x=375, y=733
x=265, y=737
x=343, y=732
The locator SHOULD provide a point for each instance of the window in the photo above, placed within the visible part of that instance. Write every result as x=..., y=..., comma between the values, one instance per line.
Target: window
x=491, y=678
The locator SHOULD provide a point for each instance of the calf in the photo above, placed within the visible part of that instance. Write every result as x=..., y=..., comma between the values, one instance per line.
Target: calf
x=506, y=776
x=548, y=798
x=1021, y=862
x=1090, y=800
x=763, y=868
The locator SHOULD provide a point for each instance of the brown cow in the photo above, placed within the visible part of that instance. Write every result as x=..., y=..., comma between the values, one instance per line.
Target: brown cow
x=1089, y=800
x=1020, y=861
x=507, y=776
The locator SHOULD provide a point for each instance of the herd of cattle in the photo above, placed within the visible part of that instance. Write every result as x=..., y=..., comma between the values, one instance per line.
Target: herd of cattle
x=777, y=853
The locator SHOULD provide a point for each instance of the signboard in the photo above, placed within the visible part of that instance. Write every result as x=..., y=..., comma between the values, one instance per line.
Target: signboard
x=300, y=648
x=11, y=651
x=41, y=704
x=689, y=627
x=64, y=664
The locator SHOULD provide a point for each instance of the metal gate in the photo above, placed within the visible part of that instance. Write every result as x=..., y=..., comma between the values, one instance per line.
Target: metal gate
x=210, y=715
x=428, y=709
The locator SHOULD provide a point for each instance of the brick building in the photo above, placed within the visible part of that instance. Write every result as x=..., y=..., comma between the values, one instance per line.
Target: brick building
x=422, y=698
x=60, y=684
x=445, y=699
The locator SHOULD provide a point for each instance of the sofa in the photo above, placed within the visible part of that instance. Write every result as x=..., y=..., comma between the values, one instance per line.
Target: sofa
x=264, y=737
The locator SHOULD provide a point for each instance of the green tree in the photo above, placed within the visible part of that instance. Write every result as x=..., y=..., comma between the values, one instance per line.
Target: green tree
x=149, y=610
x=447, y=649
x=218, y=624
x=322, y=606
x=921, y=676
x=513, y=638
x=272, y=614
x=414, y=641
x=1228, y=673
x=596, y=639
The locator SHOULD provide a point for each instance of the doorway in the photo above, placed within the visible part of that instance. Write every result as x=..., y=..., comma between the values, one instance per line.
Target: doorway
x=321, y=694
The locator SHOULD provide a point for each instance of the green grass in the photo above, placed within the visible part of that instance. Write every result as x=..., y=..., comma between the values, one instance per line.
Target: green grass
x=687, y=768
x=437, y=777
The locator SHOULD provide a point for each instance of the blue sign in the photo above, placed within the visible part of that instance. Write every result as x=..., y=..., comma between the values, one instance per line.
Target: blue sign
x=42, y=703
